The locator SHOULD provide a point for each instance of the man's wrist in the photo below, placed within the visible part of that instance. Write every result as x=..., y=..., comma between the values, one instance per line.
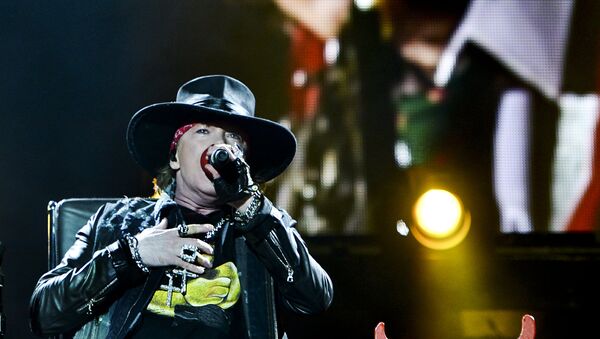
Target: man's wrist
x=122, y=261
x=249, y=194
x=132, y=243
x=249, y=209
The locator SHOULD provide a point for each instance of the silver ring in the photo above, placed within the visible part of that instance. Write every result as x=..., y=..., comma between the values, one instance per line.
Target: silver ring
x=182, y=230
x=189, y=253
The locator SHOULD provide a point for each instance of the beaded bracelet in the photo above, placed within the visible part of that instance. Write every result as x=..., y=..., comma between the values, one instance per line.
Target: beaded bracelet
x=135, y=253
x=251, y=210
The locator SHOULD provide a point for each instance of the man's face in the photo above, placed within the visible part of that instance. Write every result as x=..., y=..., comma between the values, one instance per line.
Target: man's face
x=190, y=177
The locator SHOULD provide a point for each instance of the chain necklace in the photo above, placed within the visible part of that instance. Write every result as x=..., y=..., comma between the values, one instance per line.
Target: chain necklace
x=218, y=226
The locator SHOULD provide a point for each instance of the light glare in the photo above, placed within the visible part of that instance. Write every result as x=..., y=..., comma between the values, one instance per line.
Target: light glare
x=438, y=213
x=364, y=5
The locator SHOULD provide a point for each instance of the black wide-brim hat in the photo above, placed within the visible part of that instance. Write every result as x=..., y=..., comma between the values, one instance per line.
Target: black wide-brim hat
x=217, y=100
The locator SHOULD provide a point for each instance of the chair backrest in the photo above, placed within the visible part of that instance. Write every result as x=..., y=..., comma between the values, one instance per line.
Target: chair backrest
x=65, y=218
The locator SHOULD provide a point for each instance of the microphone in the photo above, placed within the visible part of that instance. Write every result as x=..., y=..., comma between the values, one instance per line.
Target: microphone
x=226, y=167
x=219, y=158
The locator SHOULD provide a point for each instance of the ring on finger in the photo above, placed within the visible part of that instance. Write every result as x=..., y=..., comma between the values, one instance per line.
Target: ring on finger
x=189, y=253
x=182, y=229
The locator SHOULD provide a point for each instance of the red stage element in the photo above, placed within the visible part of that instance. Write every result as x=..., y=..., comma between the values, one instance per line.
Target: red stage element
x=527, y=327
x=380, y=331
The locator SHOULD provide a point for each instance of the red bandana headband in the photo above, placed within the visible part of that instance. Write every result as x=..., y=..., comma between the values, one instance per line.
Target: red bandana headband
x=178, y=134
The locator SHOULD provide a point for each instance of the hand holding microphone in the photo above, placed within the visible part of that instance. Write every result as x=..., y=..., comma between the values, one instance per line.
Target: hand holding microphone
x=234, y=179
x=221, y=161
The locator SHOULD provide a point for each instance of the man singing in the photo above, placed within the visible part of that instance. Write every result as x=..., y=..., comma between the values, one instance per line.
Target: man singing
x=212, y=257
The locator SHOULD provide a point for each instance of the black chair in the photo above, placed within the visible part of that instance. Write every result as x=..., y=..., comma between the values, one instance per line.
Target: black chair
x=65, y=218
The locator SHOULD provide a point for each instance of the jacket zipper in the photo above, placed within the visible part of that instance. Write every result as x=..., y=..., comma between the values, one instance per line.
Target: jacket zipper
x=88, y=307
x=283, y=260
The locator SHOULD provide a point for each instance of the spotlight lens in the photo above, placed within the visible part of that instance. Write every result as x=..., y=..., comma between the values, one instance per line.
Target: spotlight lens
x=438, y=213
x=364, y=5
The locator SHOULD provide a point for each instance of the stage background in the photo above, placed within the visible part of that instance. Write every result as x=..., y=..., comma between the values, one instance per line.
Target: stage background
x=73, y=73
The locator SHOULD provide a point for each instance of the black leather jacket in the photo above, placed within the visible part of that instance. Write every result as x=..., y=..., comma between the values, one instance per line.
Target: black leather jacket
x=98, y=291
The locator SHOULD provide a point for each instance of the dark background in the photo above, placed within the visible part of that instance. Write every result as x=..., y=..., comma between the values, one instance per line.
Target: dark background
x=73, y=73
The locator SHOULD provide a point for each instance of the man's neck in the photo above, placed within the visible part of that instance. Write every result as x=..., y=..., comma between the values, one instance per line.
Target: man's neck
x=192, y=202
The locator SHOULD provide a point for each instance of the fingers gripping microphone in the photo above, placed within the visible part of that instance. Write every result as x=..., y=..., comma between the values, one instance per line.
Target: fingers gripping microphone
x=234, y=175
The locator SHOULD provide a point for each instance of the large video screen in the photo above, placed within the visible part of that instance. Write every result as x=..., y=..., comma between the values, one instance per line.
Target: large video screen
x=521, y=83
x=530, y=68
x=498, y=98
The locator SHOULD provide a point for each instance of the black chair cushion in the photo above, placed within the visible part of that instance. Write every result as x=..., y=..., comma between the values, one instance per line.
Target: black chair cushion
x=65, y=218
